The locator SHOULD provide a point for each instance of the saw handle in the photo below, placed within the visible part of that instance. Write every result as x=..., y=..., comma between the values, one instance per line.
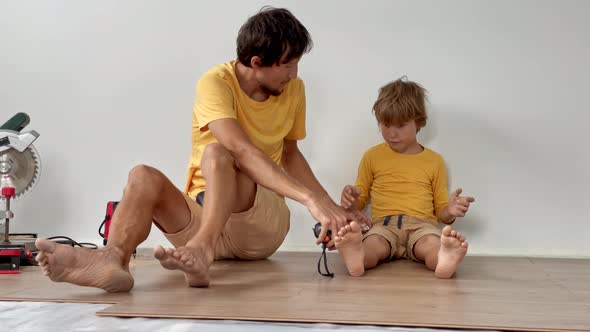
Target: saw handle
x=17, y=123
x=8, y=192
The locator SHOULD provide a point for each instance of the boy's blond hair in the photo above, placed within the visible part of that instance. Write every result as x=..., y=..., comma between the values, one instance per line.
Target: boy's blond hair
x=401, y=101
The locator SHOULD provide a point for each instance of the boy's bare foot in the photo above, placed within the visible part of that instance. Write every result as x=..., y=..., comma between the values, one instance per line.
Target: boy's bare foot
x=350, y=246
x=101, y=268
x=193, y=261
x=452, y=250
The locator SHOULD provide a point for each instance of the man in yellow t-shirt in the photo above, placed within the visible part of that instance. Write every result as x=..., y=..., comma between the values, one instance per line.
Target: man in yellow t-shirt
x=407, y=185
x=248, y=116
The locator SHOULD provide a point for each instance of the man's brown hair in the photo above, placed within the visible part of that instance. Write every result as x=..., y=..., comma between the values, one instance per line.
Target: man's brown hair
x=274, y=35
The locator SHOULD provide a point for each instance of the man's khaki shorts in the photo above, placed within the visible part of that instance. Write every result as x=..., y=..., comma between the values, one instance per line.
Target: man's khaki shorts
x=249, y=235
x=402, y=232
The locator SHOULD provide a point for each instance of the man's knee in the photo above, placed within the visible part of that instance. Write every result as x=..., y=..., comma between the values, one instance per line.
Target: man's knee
x=144, y=178
x=217, y=158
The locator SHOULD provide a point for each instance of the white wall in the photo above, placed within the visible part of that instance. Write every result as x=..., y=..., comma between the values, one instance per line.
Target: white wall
x=110, y=84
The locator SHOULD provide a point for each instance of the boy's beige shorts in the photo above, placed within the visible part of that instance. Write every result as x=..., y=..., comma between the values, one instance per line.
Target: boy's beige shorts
x=402, y=232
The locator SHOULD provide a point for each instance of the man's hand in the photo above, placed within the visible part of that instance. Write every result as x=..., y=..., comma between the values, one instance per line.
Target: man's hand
x=459, y=205
x=331, y=216
x=348, y=200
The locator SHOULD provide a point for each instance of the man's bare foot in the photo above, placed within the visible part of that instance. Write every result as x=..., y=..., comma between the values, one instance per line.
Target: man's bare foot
x=193, y=261
x=452, y=250
x=350, y=246
x=101, y=268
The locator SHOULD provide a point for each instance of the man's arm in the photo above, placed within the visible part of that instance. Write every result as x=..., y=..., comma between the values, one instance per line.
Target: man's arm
x=262, y=170
x=296, y=165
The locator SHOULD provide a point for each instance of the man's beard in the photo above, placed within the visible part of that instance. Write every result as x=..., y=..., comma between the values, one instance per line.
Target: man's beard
x=272, y=92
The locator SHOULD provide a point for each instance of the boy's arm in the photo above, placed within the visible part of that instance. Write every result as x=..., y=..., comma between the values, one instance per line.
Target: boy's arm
x=349, y=197
x=440, y=192
x=457, y=207
x=364, y=180
x=349, y=200
x=354, y=198
x=445, y=217
x=447, y=209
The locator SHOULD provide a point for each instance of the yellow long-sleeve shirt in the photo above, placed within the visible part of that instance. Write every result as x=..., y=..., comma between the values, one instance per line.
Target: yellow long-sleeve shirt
x=410, y=184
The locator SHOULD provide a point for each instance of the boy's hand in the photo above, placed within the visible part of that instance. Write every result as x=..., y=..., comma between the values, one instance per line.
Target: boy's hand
x=459, y=205
x=349, y=197
x=365, y=222
x=348, y=201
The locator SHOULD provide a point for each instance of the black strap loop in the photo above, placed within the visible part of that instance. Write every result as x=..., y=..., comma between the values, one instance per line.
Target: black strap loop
x=328, y=273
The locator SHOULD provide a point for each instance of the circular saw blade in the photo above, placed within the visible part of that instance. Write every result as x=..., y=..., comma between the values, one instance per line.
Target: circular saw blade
x=19, y=170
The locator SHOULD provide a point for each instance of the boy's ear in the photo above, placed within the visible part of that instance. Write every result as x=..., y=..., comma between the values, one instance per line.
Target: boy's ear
x=418, y=127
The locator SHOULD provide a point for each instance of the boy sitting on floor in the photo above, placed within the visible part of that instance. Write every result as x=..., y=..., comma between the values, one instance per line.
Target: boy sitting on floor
x=407, y=184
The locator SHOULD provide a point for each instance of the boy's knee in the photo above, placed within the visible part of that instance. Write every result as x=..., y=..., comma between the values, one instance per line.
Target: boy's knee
x=429, y=241
x=427, y=245
x=371, y=260
x=378, y=246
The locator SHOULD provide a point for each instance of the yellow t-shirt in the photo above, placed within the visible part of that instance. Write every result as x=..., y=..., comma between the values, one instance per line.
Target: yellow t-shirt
x=267, y=123
x=414, y=185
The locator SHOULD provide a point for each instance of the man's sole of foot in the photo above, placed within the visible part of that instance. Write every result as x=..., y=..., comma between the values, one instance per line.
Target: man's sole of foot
x=100, y=268
x=196, y=270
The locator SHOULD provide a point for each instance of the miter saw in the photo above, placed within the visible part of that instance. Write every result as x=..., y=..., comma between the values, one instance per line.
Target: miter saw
x=20, y=167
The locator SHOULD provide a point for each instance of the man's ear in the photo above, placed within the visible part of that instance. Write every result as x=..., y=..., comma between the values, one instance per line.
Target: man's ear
x=255, y=62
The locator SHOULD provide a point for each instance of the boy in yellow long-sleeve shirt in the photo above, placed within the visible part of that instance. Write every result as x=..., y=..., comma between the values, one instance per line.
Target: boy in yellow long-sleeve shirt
x=407, y=185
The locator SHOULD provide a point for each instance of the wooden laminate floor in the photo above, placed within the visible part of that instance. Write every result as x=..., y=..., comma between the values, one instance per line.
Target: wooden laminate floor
x=501, y=293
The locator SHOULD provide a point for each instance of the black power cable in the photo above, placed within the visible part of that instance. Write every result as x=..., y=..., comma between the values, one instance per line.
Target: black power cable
x=75, y=243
